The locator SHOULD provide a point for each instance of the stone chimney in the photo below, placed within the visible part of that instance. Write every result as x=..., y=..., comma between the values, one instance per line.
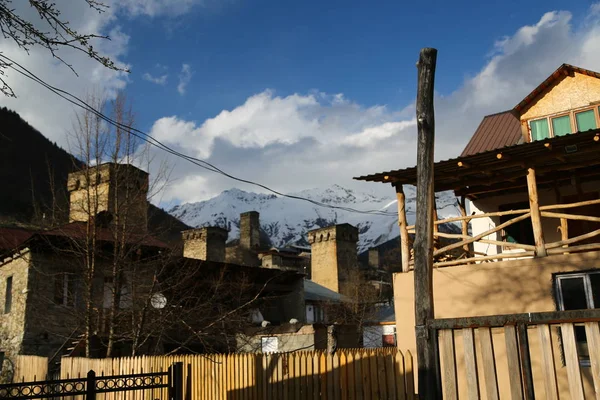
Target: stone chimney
x=250, y=230
x=374, y=258
x=333, y=255
x=120, y=189
x=206, y=243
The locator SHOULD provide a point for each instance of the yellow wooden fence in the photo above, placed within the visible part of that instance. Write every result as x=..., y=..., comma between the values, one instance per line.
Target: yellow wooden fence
x=348, y=374
x=30, y=368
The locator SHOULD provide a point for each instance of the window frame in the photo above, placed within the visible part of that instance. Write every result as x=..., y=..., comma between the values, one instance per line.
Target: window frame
x=67, y=292
x=584, y=360
x=572, y=123
x=589, y=296
x=8, y=294
x=571, y=113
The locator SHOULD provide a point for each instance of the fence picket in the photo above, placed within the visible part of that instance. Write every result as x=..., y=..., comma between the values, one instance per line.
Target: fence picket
x=449, y=377
x=489, y=363
x=593, y=338
x=572, y=361
x=548, y=362
x=470, y=363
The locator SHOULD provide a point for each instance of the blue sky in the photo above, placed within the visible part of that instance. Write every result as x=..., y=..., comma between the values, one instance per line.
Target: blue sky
x=306, y=94
x=365, y=50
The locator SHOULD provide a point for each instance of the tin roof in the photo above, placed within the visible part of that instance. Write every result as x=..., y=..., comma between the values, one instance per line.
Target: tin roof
x=494, y=132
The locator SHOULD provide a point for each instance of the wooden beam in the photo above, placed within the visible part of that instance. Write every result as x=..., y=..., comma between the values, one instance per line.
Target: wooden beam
x=462, y=205
x=404, y=238
x=536, y=219
x=427, y=357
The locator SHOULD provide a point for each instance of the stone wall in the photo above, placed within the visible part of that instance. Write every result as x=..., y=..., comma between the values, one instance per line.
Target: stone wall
x=12, y=323
x=206, y=243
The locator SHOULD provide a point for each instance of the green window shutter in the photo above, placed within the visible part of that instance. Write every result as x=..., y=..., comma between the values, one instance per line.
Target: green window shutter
x=539, y=129
x=561, y=125
x=585, y=120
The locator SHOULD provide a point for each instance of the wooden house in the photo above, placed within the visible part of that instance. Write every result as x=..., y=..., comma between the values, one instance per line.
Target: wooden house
x=528, y=185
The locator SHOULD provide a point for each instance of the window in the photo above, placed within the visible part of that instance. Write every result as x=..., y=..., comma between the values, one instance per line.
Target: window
x=8, y=295
x=561, y=125
x=64, y=290
x=519, y=232
x=579, y=291
x=314, y=314
x=539, y=129
x=579, y=120
x=586, y=120
x=125, y=299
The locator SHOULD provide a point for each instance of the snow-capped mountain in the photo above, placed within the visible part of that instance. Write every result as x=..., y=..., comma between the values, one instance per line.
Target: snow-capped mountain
x=286, y=221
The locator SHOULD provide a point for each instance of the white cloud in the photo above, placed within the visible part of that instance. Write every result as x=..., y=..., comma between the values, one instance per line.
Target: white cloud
x=316, y=139
x=159, y=80
x=153, y=8
x=43, y=109
x=185, y=76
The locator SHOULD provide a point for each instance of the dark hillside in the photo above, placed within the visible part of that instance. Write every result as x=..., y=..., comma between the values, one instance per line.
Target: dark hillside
x=31, y=165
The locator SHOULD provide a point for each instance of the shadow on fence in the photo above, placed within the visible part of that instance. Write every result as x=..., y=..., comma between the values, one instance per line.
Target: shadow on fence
x=348, y=374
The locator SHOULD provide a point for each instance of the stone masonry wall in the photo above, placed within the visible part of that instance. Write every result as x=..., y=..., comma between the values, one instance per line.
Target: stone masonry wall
x=12, y=323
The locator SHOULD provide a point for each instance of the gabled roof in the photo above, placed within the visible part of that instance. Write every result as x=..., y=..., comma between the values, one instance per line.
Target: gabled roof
x=315, y=292
x=77, y=230
x=494, y=132
x=555, y=159
x=12, y=238
x=562, y=71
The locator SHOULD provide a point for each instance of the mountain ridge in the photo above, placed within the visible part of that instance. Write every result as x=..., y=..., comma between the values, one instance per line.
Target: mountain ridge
x=286, y=221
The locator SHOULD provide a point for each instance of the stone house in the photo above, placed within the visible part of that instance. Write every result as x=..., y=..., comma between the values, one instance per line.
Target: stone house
x=43, y=284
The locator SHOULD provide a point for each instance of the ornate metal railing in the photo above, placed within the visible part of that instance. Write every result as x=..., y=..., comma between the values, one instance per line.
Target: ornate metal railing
x=88, y=387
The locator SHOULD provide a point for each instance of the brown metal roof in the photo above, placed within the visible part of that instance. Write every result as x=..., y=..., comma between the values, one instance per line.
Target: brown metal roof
x=494, y=132
x=11, y=238
x=555, y=159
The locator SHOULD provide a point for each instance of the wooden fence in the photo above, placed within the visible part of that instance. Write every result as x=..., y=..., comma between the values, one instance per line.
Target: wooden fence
x=547, y=355
x=30, y=368
x=348, y=374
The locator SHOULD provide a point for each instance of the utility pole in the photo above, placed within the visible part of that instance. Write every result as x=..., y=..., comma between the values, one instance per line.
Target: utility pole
x=427, y=357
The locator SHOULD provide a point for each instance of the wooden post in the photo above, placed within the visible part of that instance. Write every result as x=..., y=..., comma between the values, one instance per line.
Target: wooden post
x=536, y=219
x=427, y=357
x=404, y=239
x=564, y=223
x=462, y=205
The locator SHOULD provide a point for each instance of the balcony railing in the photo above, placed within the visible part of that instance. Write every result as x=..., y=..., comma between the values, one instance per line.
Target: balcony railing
x=457, y=248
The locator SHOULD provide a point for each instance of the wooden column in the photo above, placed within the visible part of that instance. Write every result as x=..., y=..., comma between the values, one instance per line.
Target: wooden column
x=404, y=239
x=427, y=357
x=464, y=223
x=564, y=223
x=536, y=219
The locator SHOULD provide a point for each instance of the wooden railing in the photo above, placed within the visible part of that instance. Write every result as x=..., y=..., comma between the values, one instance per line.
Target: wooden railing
x=538, y=355
x=456, y=248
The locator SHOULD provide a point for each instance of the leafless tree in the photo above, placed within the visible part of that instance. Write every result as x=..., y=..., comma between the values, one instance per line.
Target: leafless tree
x=50, y=32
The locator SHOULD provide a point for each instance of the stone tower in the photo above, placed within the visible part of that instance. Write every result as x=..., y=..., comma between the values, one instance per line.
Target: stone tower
x=112, y=192
x=206, y=243
x=250, y=230
x=333, y=255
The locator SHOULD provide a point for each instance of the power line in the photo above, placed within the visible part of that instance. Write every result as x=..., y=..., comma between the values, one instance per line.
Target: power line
x=154, y=142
